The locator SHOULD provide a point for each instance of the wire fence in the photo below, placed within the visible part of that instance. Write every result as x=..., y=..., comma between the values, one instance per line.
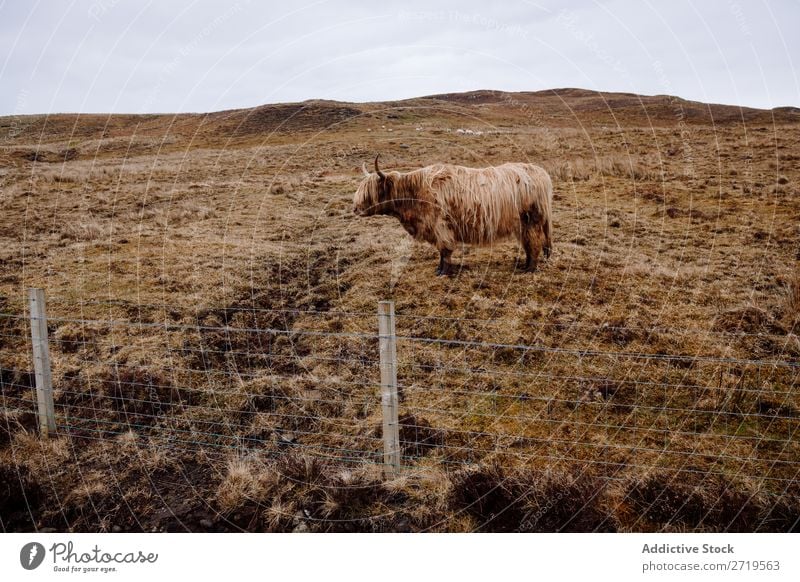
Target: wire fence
x=281, y=381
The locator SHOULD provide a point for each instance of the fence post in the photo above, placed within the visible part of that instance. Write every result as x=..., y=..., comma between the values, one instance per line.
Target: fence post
x=389, y=401
x=41, y=362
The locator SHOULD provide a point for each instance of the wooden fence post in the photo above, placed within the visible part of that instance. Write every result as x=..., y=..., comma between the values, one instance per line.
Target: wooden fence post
x=41, y=362
x=389, y=401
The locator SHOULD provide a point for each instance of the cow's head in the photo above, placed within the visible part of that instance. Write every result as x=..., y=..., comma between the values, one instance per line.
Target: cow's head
x=374, y=192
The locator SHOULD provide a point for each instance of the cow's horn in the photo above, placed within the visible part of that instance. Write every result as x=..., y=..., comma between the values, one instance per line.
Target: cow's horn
x=364, y=168
x=377, y=169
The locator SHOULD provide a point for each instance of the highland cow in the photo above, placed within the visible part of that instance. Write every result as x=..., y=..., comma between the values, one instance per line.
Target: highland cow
x=447, y=205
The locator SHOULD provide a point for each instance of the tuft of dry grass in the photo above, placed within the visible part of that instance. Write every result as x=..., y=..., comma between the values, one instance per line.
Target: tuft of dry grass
x=239, y=487
x=280, y=516
x=93, y=486
x=41, y=456
x=85, y=230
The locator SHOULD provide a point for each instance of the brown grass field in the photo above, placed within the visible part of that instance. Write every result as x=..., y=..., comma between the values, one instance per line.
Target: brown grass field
x=645, y=378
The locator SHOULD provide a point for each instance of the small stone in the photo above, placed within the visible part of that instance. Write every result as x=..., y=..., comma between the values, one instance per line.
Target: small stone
x=286, y=438
x=47, y=530
x=206, y=523
x=302, y=528
x=116, y=529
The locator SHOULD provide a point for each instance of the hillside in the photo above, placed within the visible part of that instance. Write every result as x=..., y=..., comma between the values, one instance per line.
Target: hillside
x=643, y=379
x=570, y=107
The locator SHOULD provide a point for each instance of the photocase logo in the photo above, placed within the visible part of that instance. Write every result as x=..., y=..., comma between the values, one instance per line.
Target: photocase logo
x=31, y=555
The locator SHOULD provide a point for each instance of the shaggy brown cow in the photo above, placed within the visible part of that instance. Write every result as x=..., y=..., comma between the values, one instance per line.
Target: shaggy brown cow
x=446, y=205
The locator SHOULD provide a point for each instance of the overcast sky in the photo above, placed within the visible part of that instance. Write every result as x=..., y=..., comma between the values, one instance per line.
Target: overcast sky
x=139, y=56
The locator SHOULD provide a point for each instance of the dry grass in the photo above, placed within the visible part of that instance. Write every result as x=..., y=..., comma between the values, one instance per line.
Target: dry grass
x=792, y=301
x=677, y=244
x=239, y=486
x=84, y=231
x=632, y=168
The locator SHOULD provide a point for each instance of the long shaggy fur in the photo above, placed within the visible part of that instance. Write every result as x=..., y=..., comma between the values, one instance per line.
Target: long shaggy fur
x=448, y=205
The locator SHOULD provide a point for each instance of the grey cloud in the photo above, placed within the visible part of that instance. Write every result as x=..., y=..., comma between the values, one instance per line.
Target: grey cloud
x=125, y=56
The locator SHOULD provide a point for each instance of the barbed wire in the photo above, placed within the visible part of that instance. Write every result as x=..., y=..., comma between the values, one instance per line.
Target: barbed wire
x=178, y=416
x=602, y=326
x=205, y=310
x=517, y=397
x=191, y=421
x=203, y=350
x=362, y=454
x=212, y=372
x=178, y=402
x=588, y=379
x=550, y=440
x=601, y=353
x=185, y=404
x=272, y=330
x=225, y=451
x=553, y=421
x=208, y=309
x=17, y=398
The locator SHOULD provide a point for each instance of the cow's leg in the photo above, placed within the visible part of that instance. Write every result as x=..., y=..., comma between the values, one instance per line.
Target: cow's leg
x=532, y=243
x=445, y=267
x=445, y=242
x=531, y=237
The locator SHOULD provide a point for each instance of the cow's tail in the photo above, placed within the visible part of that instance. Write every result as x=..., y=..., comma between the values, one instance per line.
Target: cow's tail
x=547, y=247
